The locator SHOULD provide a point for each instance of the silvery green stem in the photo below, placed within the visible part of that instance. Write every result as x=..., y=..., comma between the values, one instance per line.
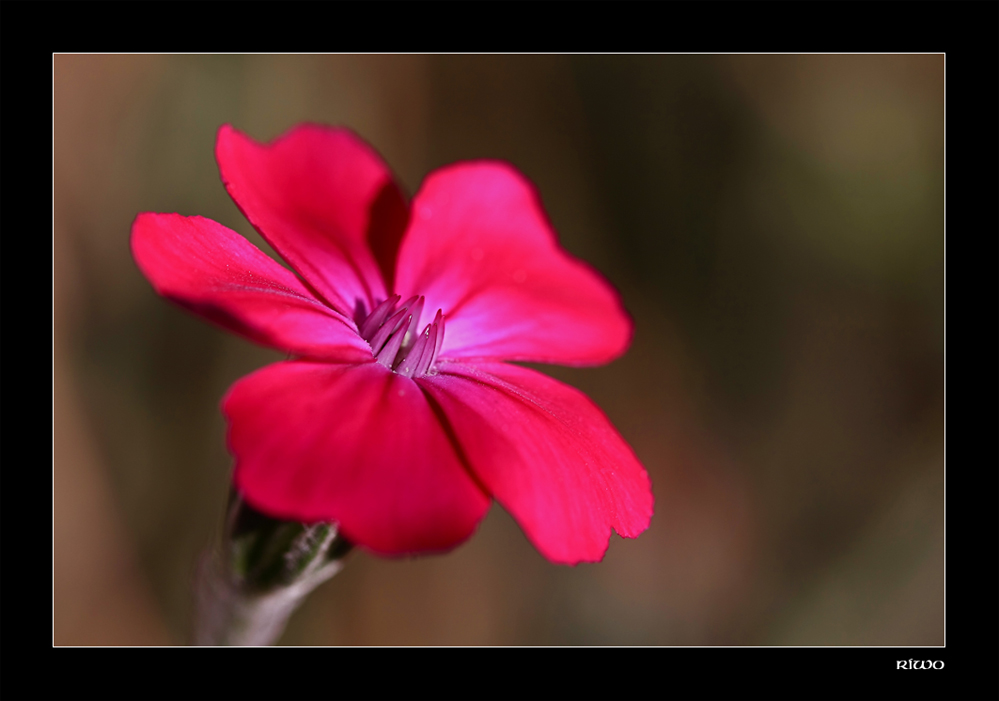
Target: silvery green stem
x=246, y=590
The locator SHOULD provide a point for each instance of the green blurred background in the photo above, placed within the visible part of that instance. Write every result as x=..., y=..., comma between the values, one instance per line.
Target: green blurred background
x=775, y=225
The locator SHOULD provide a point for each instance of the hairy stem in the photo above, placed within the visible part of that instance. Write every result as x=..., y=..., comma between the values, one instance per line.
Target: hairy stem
x=246, y=591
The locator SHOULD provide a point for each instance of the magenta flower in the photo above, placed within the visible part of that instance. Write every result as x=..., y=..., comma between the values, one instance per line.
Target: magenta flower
x=400, y=417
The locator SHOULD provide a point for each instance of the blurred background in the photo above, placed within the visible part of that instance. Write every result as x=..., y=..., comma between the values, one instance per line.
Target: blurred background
x=775, y=225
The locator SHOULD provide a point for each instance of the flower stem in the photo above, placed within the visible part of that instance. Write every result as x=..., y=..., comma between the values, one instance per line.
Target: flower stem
x=246, y=591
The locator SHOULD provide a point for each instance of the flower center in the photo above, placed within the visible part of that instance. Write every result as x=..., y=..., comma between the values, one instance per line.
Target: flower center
x=390, y=328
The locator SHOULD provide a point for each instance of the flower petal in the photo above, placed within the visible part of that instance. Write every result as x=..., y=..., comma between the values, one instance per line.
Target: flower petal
x=480, y=247
x=218, y=274
x=326, y=202
x=547, y=454
x=357, y=444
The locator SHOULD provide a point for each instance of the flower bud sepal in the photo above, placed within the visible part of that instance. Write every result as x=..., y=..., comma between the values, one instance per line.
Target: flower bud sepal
x=248, y=586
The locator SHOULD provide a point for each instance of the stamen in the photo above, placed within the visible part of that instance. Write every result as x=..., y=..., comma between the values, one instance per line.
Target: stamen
x=415, y=310
x=427, y=356
x=387, y=329
x=391, y=332
x=378, y=316
x=407, y=368
x=440, y=336
x=386, y=356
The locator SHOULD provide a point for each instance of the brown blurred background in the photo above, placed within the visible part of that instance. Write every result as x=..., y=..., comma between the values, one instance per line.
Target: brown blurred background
x=775, y=224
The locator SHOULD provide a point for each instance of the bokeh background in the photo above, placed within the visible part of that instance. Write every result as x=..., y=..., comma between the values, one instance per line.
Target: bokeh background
x=775, y=225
